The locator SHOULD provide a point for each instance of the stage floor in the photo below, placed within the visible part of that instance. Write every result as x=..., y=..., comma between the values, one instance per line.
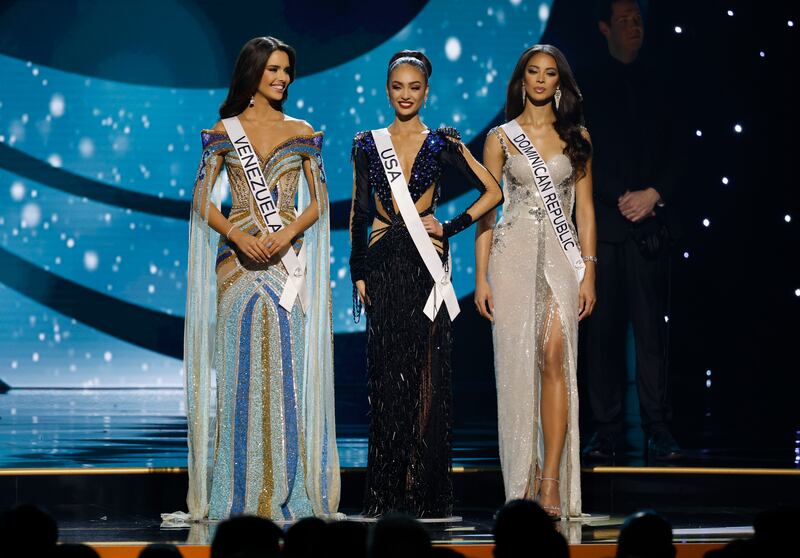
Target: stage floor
x=63, y=428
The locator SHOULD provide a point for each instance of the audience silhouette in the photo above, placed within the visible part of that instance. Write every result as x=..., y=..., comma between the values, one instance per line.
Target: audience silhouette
x=521, y=528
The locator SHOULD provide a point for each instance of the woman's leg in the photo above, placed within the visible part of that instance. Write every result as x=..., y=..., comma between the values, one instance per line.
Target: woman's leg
x=554, y=409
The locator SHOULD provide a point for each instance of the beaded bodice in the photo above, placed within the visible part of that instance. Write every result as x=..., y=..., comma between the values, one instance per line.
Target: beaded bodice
x=522, y=197
x=281, y=166
x=425, y=171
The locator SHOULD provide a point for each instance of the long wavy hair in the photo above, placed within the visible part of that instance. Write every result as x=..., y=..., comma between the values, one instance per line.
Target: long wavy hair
x=248, y=72
x=569, y=114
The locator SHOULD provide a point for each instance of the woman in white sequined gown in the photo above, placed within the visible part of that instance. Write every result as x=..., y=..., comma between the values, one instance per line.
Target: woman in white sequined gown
x=529, y=290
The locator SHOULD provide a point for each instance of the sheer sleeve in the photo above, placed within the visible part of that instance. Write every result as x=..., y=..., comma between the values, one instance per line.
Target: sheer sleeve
x=198, y=348
x=491, y=194
x=360, y=213
x=211, y=163
x=321, y=456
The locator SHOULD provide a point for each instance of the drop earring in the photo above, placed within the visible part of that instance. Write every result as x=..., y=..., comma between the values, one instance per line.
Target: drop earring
x=425, y=103
x=252, y=101
x=558, y=97
x=524, y=96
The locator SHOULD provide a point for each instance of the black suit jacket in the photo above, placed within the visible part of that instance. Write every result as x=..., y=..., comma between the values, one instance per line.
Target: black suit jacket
x=636, y=141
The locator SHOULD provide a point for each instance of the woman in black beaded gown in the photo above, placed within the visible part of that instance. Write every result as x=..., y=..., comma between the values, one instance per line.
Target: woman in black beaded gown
x=408, y=354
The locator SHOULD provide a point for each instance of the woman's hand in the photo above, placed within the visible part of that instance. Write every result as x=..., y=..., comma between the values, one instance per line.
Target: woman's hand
x=361, y=287
x=433, y=226
x=484, y=300
x=248, y=245
x=277, y=242
x=586, y=296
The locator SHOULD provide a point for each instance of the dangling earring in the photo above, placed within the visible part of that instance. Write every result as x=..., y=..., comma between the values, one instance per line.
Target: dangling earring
x=524, y=96
x=558, y=96
x=425, y=103
x=252, y=101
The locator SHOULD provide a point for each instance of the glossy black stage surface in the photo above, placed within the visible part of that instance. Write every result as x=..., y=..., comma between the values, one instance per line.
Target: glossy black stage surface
x=61, y=428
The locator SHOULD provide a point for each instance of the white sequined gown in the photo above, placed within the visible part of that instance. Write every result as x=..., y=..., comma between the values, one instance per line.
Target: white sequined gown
x=532, y=282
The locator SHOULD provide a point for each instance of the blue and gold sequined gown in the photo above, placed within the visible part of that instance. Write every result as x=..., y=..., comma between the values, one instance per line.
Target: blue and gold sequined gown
x=272, y=451
x=408, y=355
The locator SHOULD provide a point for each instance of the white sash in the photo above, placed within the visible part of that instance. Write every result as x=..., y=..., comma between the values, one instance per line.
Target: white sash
x=295, y=264
x=541, y=176
x=442, y=287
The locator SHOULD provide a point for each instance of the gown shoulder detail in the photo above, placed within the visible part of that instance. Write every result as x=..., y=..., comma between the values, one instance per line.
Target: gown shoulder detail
x=499, y=135
x=361, y=141
x=449, y=139
x=215, y=139
x=450, y=132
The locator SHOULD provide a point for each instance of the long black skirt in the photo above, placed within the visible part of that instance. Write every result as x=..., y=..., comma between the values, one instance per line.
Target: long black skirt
x=409, y=381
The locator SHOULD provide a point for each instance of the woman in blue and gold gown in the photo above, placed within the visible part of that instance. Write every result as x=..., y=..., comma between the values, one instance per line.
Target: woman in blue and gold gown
x=259, y=378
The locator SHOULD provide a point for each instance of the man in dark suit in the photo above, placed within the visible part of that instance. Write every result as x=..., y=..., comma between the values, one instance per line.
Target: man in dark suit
x=635, y=177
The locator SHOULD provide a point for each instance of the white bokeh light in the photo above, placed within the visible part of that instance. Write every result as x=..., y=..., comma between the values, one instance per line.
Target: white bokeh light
x=31, y=215
x=90, y=260
x=706, y=222
x=86, y=147
x=544, y=12
x=452, y=49
x=17, y=191
x=737, y=128
x=55, y=160
x=57, y=105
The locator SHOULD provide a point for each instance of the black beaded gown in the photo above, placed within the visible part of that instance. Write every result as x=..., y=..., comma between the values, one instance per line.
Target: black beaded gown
x=408, y=355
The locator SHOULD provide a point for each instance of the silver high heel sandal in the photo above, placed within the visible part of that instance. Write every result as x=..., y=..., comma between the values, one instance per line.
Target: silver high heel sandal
x=553, y=511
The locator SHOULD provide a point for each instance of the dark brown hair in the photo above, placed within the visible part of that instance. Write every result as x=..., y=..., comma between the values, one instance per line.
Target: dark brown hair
x=248, y=72
x=569, y=114
x=604, y=9
x=423, y=63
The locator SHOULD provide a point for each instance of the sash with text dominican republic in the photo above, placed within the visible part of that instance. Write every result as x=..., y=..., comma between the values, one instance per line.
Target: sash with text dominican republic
x=547, y=189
